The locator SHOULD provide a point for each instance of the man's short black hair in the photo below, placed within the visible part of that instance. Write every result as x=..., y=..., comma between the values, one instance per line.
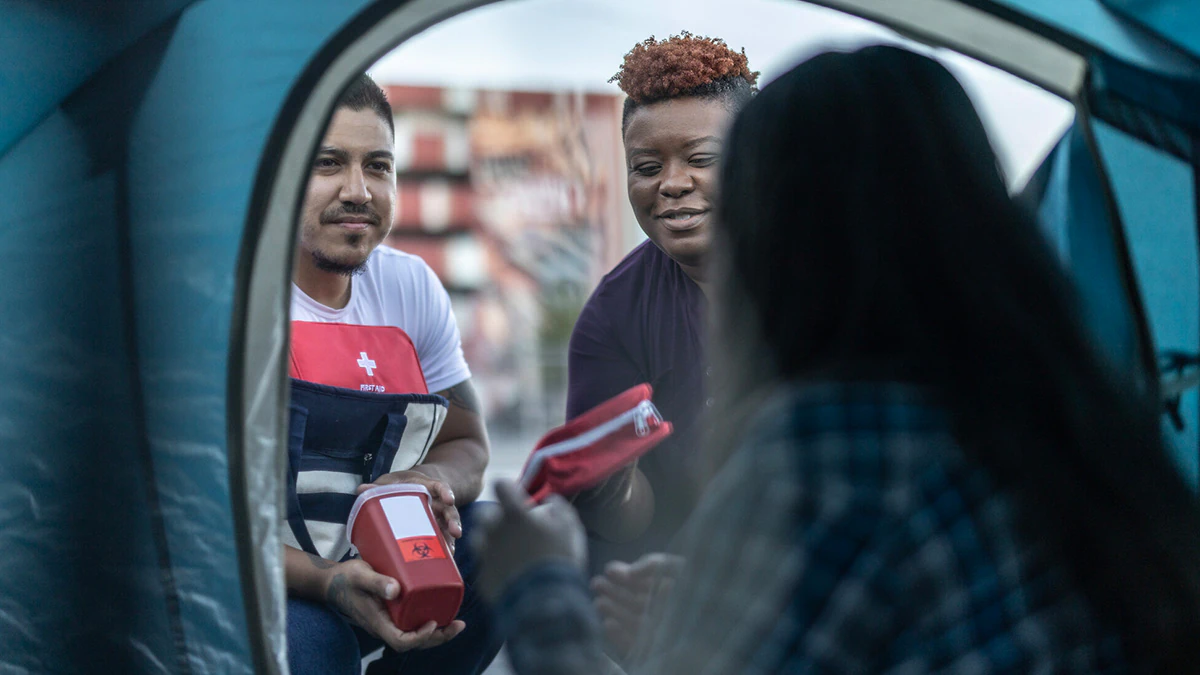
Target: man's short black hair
x=363, y=93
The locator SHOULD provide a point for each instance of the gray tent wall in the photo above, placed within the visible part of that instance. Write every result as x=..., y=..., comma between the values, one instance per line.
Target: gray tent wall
x=155, y=153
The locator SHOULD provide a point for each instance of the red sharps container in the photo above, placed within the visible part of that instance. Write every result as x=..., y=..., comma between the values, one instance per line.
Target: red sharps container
x=396, y=533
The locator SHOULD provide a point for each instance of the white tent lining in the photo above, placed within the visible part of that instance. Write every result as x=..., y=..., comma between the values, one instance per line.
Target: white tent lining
x=978, y=34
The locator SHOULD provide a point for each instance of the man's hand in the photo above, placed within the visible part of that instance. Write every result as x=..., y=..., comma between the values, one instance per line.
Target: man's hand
x=626, y=592
x=515, y=537
x=441, y=500
x=359, y=592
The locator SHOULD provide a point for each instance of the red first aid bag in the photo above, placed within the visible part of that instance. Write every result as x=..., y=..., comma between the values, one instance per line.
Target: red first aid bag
x=595, y=445
x=395, y=532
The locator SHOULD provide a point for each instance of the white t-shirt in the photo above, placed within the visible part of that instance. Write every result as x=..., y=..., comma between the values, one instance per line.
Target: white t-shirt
x=398, y=289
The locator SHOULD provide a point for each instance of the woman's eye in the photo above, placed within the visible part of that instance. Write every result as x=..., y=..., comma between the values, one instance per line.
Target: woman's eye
x=704, y=160
x=646, y=169
x=381, y=167
x=324, y=163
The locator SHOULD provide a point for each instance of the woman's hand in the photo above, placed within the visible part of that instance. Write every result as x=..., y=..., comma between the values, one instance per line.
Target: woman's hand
x=515, y=537
x=626, y=593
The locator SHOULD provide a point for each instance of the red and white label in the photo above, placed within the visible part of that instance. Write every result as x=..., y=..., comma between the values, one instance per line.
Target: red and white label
x=421, y=548
x=412, y=528
x=379, y=359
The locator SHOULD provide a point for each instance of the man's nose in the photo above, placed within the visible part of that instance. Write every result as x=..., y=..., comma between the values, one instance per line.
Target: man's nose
x=676, y=180
x=354, y=187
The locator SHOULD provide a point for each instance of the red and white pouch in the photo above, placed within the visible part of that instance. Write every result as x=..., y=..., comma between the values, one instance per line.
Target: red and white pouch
x=595, y=445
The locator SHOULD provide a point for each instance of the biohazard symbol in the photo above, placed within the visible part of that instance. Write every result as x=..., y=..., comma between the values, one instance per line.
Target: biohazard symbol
x=416, y=549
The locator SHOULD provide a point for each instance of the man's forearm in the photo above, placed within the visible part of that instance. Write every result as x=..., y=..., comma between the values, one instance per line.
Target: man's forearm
x=460, y=453
x=307, y=576
x=458, y=463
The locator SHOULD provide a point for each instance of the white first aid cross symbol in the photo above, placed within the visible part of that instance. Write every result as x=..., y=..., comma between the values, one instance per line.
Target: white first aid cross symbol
x=366, y=364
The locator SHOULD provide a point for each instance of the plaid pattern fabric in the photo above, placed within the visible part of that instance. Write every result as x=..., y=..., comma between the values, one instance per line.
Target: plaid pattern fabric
x=851, y=535
x=547, y=616
x=848, y=535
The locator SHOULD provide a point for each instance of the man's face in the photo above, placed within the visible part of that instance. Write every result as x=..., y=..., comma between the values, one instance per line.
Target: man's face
x=351, y=195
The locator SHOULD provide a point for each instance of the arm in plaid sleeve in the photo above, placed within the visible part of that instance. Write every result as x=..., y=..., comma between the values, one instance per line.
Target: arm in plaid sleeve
x=551, y=626
x=840, y=617
x=772, y=593
x=789, y=554
x=851, y=534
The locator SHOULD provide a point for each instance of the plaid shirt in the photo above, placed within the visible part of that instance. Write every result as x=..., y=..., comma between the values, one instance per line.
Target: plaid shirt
x=851, y=535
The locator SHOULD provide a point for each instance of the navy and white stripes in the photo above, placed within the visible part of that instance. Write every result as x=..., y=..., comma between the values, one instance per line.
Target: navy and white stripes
x=339, y=439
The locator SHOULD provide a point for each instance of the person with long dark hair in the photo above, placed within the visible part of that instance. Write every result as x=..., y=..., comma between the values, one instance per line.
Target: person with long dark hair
x=925, y=464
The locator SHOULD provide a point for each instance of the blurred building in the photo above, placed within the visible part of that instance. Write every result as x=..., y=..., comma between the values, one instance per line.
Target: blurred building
x=517, y=200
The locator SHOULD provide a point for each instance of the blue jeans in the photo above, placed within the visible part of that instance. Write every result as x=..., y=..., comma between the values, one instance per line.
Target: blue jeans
x=321, y=642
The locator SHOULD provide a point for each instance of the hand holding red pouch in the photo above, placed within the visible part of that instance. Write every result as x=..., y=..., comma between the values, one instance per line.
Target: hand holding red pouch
x=595, y=445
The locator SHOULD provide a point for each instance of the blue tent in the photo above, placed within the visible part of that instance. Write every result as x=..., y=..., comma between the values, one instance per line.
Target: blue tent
x=153, y=155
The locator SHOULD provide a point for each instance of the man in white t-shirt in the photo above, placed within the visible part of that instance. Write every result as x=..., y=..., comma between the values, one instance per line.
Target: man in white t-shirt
x=373, y=319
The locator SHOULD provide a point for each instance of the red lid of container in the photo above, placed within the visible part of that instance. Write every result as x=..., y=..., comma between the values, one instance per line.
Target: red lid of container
x=380, y=491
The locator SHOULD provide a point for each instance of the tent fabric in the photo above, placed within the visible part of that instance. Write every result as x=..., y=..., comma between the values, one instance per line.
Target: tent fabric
x=1156, y=196
x=1092, y=27
x=1140, y=83
x=213, y=116
x=1076, y=218
x=130, y=196
x=1148, y=186
x=1161, y=111
x=60, y=45
x=155, y=152
x=960, y=26
x=84, y=563
x=1176, y=21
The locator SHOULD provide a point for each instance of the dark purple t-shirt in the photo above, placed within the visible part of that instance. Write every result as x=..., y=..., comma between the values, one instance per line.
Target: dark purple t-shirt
x=645, y=322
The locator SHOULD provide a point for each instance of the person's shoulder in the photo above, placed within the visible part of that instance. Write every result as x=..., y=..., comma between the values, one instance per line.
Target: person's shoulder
x=642, y=261
x=635, y=277
x=620, y=290
x=387, y=263
x=388, y=258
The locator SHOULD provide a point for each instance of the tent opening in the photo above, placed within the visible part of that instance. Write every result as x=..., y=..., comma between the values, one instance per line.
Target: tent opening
x=511, y=188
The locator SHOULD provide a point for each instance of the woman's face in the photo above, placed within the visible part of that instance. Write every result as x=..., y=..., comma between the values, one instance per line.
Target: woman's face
x=671, y=153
